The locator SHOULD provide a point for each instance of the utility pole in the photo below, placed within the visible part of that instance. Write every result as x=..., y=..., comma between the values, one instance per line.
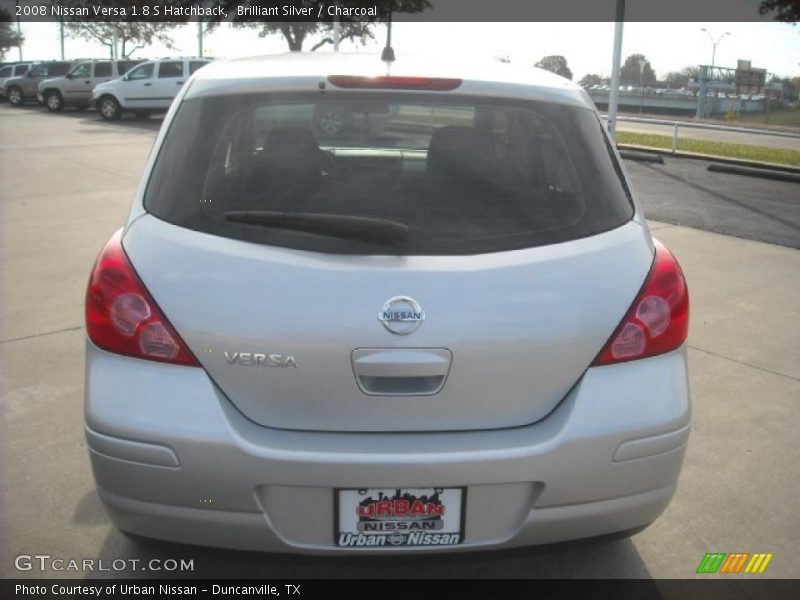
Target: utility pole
x=61, y=33
x=19, y=37
x=714, y=44
x=642, y=64
x=337, y=31
x=200, y=37
x=613, y=98
x=387, y=55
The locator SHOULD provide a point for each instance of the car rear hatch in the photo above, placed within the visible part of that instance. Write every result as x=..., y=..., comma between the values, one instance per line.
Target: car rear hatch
x=430, y=265
x=508, y=334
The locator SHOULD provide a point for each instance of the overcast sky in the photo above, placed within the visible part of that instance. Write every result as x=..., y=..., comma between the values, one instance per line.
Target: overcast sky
x=587, y=46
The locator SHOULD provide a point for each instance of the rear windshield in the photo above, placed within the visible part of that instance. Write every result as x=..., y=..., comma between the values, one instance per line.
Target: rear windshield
x=460, y=175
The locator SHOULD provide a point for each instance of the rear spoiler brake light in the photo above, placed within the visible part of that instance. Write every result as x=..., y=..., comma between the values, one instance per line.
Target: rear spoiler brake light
x=388, y=82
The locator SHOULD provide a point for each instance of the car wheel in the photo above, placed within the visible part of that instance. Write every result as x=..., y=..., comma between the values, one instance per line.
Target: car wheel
x=330, y=120
x=53, y=101
x=15, y=96
x=109, y=108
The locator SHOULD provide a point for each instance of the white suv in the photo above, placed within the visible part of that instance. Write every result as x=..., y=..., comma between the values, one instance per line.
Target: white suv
x=151, y=86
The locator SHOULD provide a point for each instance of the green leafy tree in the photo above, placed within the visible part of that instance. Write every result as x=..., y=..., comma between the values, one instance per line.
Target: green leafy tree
x=630, y=71
x=555, y=64
x=593, y=79
x=8, y=35
x=296, y=34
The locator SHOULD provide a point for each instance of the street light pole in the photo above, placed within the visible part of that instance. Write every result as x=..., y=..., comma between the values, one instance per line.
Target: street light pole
x=19, y=38
x=714, y=44
x=613, y=99
x=642, y=64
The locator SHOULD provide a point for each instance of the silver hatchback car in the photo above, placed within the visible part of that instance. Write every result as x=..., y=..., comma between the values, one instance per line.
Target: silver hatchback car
x=451, y=331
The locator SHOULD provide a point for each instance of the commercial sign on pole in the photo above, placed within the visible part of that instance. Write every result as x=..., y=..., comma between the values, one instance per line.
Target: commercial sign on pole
x=749, y=81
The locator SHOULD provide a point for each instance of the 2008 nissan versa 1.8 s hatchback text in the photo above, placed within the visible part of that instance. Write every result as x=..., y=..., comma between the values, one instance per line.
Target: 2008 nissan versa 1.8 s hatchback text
x=443, y=325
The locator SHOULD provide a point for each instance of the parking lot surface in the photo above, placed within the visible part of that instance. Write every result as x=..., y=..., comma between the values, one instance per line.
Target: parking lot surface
x=684, y=192
x=67, y=182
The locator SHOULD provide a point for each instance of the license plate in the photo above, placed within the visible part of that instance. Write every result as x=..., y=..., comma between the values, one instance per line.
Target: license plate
x=392, y=517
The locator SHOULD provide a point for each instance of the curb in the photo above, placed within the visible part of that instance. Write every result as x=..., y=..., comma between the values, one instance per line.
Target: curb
x=751, y=172
x=710, y=157
x=641, y=156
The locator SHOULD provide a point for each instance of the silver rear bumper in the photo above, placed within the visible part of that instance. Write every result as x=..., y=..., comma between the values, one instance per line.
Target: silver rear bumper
x=173, y=459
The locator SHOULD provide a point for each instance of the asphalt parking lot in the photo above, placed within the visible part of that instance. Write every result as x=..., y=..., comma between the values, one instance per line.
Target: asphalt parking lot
x=67, y=182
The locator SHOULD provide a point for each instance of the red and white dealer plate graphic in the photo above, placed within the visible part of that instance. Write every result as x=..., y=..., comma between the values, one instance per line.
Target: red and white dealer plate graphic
x=396, y=517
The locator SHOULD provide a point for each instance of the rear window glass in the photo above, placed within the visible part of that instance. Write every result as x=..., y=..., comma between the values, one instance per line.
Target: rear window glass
x=40, y=70
x=102, y=69
x=170, y=69
x=459, y=175
x=197, y=64
x=5, y=72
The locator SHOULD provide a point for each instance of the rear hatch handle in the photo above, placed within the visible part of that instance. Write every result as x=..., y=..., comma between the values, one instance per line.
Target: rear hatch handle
x=401, y=371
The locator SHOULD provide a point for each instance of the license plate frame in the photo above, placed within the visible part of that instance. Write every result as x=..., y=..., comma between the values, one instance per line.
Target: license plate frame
x=399, y=517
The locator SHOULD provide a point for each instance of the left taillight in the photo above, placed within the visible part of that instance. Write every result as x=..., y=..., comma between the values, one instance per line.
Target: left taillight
x=122, y=317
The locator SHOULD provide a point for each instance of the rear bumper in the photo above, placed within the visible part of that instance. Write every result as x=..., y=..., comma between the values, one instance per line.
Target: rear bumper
x=173, y=459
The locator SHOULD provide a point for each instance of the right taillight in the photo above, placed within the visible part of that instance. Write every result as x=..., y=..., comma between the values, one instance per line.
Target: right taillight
x=121, y=315
x=658, y=320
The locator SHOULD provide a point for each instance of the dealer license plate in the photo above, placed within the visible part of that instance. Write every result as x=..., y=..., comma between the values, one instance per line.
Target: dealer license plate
x=391, y=517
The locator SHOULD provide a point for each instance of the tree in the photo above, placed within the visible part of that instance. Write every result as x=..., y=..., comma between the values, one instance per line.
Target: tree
x=130, y=35
x=129, y=32
x=785, y=10
x=8, y=37
x=555, y=64
x=296, y=34
x=681, y=79
x=355, y=28
x=592, y=79
x=629, y=74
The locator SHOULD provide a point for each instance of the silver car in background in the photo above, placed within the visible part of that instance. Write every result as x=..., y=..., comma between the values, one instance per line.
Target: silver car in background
x=451, y=331
x=75, y=88
x=10, y=71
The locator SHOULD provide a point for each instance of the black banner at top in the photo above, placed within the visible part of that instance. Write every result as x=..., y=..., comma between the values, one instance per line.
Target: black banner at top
x=403, y=10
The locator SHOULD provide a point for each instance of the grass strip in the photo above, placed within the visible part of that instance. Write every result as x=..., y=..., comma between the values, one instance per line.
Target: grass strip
x=781, y=156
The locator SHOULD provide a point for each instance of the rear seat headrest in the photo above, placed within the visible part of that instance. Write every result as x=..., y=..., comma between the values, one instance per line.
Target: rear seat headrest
x=462, y=151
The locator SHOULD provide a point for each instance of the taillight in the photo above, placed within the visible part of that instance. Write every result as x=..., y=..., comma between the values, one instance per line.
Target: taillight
x=122, y=317
x=388, y=82
x=658, y=320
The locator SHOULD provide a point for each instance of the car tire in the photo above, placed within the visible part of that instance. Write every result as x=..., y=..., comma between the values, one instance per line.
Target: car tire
x=109, y=108
x=54, y=101
x=330, y=120
x=15, y=97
